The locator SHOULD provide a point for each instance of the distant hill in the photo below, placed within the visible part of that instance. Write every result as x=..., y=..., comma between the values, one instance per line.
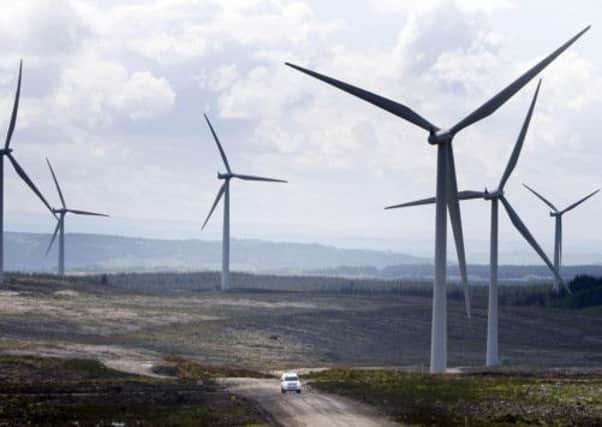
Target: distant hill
x=89, y=253
x=95, y=252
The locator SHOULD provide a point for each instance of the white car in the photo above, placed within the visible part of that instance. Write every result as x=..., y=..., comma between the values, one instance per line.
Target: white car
x=289, y=381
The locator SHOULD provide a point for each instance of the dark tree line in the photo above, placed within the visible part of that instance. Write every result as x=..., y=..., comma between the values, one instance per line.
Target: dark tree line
x=585, y=290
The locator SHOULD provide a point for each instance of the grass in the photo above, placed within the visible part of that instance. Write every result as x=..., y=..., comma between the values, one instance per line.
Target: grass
x=479, y=399
x=186, y=370
x=54, y=391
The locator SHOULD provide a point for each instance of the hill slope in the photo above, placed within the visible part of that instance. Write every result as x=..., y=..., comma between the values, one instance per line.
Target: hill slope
x=89, y=252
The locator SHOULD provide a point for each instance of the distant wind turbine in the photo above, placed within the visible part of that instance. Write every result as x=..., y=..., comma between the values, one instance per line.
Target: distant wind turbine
x=557, y=215
x=492, y=355
x=447, y=189
x=7, y=152
x=60, y=225
x=224, y=191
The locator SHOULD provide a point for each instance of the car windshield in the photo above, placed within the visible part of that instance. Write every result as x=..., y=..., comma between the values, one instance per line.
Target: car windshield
x=291, y=378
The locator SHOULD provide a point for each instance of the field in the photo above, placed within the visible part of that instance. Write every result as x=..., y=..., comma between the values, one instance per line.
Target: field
x=503, y=398
x=267, y=325
x=56, y=391
x=279, y=329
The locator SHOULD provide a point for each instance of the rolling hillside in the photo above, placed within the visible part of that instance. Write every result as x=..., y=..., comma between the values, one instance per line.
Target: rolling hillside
x=94, y=252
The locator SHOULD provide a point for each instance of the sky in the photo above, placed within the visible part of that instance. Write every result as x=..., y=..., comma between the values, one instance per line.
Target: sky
x=114, y=91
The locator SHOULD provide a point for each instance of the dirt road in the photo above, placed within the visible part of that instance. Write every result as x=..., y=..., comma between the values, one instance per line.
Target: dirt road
x=310, y=408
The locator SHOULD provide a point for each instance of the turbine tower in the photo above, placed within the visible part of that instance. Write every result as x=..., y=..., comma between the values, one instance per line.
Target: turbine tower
x=7, y=152
x=60, y=225
x=495, y=197
x=447, y=190
x=224, y=191
x=557, y=215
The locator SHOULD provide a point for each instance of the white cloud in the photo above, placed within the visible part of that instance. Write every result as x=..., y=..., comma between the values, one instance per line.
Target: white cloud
x=144, y=96
x=97, y=72
x=92, y=93
x=223, y=77
x=427, y=6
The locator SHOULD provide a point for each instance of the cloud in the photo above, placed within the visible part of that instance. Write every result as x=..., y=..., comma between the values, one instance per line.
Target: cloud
x=424, y=7
x=93, y=93
x=144, y=96
x=41, y=31
x=221, y=78
x=128, y=80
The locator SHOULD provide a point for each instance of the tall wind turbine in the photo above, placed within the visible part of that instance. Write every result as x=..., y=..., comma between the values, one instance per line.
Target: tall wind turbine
x=224, y=191
x=7, y=152
x=492, y=355
x=447, y=190
x=60, y=225
x=557, y=215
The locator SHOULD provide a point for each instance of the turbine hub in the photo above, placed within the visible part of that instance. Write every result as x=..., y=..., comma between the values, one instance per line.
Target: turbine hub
x=440, y=137
x=493, y=195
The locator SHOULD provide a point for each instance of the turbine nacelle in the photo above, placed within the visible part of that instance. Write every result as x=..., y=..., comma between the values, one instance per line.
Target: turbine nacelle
x=440, y=136
x=224, y=175
x=4, y=151
x=497, y=194
x=555, y=214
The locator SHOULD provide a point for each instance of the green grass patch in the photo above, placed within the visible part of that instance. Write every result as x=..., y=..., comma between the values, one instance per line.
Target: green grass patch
x=486, y=399
x=187, y=370
x=54, y=391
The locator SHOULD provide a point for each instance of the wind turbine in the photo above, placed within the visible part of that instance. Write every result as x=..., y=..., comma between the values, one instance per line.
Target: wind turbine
x=557, y=215
x=224, y=191
x=447, y=190
x=7, y=152
x=492, y=355
x=60, y=225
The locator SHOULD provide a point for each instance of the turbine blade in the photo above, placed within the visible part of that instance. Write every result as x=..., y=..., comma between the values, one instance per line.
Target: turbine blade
x=524, y=231
x=56, y=230
x=13, y=117
x=78, y=212
x=56, y=183
x=29, y=182
x=577, y=203
x=519, y=142
x=462, y=195
x=219, y=196
x=257, y=178
x=540, y=197
x=219, y=145
x=392, y=107
x=453, y=206
x=468, y=194
x=428, y=201
x=498, y=100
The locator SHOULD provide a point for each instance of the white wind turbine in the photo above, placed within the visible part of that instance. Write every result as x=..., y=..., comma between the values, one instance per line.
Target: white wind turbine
x=557, y=215
x=492, y=355
x=7, y=152
x=225, y=191
x=60, y=225
x=447, y=189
